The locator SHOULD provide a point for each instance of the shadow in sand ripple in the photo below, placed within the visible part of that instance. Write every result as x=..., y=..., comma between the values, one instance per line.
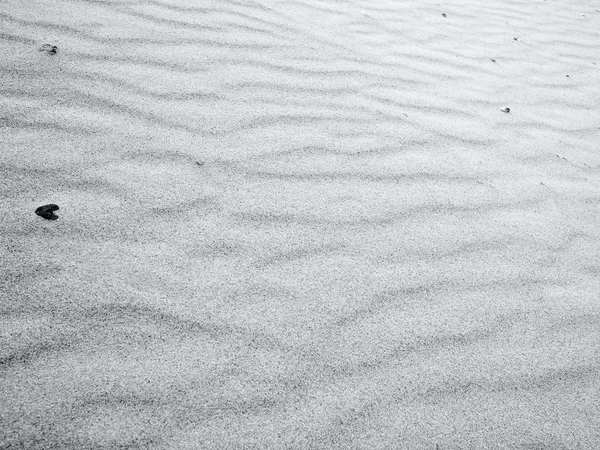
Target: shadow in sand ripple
x=114, y=315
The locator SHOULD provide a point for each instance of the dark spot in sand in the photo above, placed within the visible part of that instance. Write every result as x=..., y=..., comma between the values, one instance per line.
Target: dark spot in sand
x=199, y=163
x=506, y=110
x=493, y=60
x=47, y=211
x=568, y=76
x=50, y=49
x=516, y=39
x=444, y=14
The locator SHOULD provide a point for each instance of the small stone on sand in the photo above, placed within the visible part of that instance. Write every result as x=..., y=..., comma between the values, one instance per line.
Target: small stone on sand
x=50, y=49
x=506, y=110
x=444, y=14
x=47, y=211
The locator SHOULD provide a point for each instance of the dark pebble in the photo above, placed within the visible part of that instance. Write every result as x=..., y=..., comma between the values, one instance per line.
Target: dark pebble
x=444, y=14
x=493, y=60
x=51, y=49
x=47, y=211
x=506, y=110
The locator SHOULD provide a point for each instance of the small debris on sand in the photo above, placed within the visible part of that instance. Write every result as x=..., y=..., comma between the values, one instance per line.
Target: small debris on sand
x=199, y=163
x=50, y=49
x=444, y=14
x=506, y=110
x=47, y=211
x=516, y=39
x=493, y=60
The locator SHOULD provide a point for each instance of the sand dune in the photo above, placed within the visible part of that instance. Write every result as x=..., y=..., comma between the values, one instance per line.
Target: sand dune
x=302, y=224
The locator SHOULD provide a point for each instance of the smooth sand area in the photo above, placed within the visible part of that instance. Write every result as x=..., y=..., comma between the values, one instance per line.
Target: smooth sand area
x=300, y=224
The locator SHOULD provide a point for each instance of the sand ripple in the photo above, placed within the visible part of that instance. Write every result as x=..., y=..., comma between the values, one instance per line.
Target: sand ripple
x=300, y=224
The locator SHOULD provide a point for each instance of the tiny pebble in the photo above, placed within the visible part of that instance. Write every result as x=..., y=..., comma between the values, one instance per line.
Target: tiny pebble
x=51, y=49
x=516, y=39
x=47, y=211
x=444, y=14
x=493, y=60
x=506, y=110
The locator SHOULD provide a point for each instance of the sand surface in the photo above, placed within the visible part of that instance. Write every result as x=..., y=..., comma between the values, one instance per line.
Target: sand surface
x=300, y=225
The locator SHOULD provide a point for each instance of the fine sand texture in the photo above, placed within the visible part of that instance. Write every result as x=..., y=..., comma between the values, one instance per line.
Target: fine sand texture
x=300, y=224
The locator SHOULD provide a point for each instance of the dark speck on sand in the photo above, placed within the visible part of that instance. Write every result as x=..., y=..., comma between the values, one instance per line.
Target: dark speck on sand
x=50, y=49
x=47, y=211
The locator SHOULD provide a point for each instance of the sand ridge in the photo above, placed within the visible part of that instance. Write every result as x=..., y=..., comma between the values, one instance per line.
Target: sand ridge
x=303, y=225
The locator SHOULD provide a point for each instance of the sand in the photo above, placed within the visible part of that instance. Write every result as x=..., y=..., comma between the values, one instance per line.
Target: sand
x=300, y=225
